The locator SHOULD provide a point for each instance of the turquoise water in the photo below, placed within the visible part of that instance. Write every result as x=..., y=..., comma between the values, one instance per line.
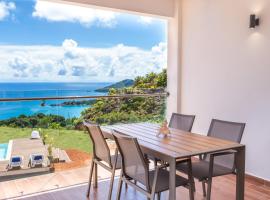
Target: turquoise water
x=3, y=151
x=20, y=90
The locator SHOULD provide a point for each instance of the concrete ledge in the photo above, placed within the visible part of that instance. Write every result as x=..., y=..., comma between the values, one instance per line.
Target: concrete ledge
x=22, y=173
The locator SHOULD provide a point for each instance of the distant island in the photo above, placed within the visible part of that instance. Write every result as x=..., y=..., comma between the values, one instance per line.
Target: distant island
x=121, y=84
x=76, y=103
x=118, y=85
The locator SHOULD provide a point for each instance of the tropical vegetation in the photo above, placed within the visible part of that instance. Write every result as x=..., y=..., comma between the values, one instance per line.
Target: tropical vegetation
x=39, y=120
x=107, y=110
x=131, y=109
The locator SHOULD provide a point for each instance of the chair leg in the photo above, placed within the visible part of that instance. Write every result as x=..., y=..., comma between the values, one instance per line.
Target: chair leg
x=191, y=192
x=158, y=195
x=203, y=187
x=90, y=178
x=111, y=184
x=119, y=187
x=190, y=180
x=95, y=175
x=193, y=185
x=155, y=162
x=113, y=174
x=152, y=196
x=209, y=187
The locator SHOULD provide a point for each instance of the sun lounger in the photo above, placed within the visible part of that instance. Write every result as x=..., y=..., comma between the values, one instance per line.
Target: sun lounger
x=15, y=162
x=36, y=160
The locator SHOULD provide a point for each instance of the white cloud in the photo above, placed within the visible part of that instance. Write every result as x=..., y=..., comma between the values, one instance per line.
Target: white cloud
x=146, y=20
x=69, y=44
x=57, y=12
x=70, y=62
x=6, y=8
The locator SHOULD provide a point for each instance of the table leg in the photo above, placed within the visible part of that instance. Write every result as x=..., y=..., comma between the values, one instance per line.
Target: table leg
x=172, y=186
x=240, y=173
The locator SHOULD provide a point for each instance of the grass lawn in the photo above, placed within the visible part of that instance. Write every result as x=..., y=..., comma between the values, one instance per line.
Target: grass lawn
x=64, y=139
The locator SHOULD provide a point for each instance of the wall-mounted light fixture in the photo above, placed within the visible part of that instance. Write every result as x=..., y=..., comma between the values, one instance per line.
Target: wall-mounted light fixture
x=254, y=21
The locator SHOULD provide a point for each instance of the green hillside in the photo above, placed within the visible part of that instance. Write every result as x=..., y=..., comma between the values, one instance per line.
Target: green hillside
x=118, y=85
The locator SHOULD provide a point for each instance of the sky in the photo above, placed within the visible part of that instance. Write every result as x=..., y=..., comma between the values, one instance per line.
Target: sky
x=50, y=42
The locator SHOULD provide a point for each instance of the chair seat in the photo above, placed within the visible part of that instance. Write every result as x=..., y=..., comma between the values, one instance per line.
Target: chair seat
x=163, y=180
x=200, y=169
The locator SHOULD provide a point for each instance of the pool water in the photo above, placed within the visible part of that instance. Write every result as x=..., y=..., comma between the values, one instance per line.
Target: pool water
x=3, y=151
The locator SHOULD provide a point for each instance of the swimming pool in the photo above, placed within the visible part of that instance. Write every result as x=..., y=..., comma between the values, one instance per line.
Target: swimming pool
x=5, y=149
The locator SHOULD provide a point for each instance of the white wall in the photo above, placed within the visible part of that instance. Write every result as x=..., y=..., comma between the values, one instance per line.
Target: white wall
x=174, y=60
x=226, y=71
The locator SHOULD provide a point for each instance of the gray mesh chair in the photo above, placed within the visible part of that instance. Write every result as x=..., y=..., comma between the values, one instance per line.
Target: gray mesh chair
x=219, y=163
x=182, y=122
x=135, y=170
x=101, y=156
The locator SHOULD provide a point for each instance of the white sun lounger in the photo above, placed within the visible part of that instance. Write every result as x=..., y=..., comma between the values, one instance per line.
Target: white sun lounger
x=36, y=160
x=15, y=162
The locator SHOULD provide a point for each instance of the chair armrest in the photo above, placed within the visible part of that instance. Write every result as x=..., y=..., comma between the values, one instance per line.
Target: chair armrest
x=181, y=160
x=212, y=157
x=222, y=153
x=156, y=174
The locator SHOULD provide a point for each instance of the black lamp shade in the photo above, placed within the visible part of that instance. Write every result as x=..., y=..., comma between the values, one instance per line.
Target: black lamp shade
x=254, y=21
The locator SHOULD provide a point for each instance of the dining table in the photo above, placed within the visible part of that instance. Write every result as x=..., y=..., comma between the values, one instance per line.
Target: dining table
x=180, y=145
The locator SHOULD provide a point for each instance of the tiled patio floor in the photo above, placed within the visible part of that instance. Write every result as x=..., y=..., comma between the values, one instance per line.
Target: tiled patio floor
x=34, y=184
x=223, y=189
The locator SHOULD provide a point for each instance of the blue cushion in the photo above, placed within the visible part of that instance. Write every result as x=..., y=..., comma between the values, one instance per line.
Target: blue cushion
x=16, y=159
x=37, y=158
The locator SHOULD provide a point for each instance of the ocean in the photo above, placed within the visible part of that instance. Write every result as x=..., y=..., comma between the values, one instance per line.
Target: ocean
x=20, y=90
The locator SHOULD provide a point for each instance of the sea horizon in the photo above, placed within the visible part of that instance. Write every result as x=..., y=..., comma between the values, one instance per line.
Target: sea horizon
x=44, y=89
x=5, y=86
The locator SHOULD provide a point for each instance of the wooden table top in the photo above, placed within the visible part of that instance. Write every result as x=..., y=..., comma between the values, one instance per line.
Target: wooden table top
x=179, y=144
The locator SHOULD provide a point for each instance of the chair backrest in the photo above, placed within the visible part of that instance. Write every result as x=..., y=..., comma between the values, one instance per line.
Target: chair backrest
x=37, y=157
x=133, y=162
x=101, y=150
x=182, y=122
x=16, y=159
x=231, y=131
